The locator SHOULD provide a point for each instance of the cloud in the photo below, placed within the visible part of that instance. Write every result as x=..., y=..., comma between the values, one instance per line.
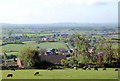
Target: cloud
x=8, y=5
x=48, y=4
x=51, y=3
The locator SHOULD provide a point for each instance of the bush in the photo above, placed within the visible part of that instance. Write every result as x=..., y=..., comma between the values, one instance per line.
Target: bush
x=9, y=67
x=71, y=62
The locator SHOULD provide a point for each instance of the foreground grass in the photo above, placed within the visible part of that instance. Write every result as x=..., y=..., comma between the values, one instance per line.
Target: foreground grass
x=62, y=74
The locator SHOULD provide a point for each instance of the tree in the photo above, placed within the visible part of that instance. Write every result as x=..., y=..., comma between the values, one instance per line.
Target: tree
x=42, y=51
x=108, y=52
x=10, y=33
x=61, y=50
x=37, y=41
x=5, y=58
x=117, y=54
x=72, y=61
x=29, y=56
x=82, y=48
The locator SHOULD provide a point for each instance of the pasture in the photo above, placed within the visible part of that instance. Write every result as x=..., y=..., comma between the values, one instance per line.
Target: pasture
x=62, y=74
x=46, y=45
x=33, y=44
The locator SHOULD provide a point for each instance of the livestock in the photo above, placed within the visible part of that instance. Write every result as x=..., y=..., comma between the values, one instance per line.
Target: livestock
x=116, y=69
x=75, y=68
x=50, y=68
x=13, y=69
x=89, y=68
x=84, y=68
x=104, y=69
x=36, y=73
x=10, y=75
x=96, y=68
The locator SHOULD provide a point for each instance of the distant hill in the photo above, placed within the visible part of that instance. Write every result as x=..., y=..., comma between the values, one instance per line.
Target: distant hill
x=61, y=25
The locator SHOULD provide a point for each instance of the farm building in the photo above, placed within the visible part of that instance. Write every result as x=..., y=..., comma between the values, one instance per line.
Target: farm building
x=100, y=56
x=50, y=51
x=19, y=62
x=44, y=39
x=11, y=63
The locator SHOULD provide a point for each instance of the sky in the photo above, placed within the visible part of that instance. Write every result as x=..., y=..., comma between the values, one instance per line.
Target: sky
x=57, y=11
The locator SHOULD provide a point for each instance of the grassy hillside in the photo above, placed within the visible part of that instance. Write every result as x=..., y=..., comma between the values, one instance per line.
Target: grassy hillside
x=62, y=74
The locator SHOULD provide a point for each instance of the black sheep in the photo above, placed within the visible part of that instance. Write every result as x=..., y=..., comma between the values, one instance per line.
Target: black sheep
x=50, y=68
x=36, y=73
x=96, y=68
x=9, y=75
x=89, y=68
x=13, y=69
x=104, y=69
x=116, y=69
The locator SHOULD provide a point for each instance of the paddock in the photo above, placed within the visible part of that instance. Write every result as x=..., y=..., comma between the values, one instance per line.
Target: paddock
x=67, y=73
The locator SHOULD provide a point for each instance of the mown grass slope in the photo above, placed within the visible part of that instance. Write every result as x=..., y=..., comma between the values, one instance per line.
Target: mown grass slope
x=62, y=74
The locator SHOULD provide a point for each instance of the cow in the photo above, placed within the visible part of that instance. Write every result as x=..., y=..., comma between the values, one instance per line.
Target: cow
x=50, y=68
x=104, y=69
x=10, y=75
x=36, y=73
x=116, y=69
x=75, y=68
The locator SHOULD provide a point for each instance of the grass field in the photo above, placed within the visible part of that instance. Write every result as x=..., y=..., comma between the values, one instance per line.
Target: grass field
x=46, y=44
x=17, y=47
x=62, y=74
x=14, y=47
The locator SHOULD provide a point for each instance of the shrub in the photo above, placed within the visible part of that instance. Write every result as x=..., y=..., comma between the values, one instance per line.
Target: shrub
x=8, y=67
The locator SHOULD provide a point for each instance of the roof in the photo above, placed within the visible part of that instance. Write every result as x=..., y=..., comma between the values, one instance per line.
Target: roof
x=100, y=53
x=48, y=49
x=11, y=63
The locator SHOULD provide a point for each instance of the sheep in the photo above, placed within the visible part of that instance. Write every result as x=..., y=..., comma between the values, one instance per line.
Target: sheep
x=50, y=68
x=36, y=73
x=89, y=68
x=104, y=69
x=13, y=69
x=75, y=68
x=116, y=69
x=10, y=75
x=84, y=68
x=96, y=68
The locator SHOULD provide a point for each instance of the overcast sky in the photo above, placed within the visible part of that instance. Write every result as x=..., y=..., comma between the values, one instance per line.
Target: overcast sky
x=55, y=11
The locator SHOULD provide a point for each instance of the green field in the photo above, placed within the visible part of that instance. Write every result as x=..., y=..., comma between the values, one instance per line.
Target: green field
x=45, y=45
x=17, y=47
x=62, y=74
x=14, y=47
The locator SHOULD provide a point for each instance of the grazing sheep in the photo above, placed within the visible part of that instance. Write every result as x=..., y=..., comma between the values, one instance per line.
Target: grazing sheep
x=13, y=69
x=89, y=68
x=9, y=75
x=84, y=68
x=36, y=73
x=75, y=68
x=50, y=68
x=116, y=69
x=104, y=69
x=96, y=68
